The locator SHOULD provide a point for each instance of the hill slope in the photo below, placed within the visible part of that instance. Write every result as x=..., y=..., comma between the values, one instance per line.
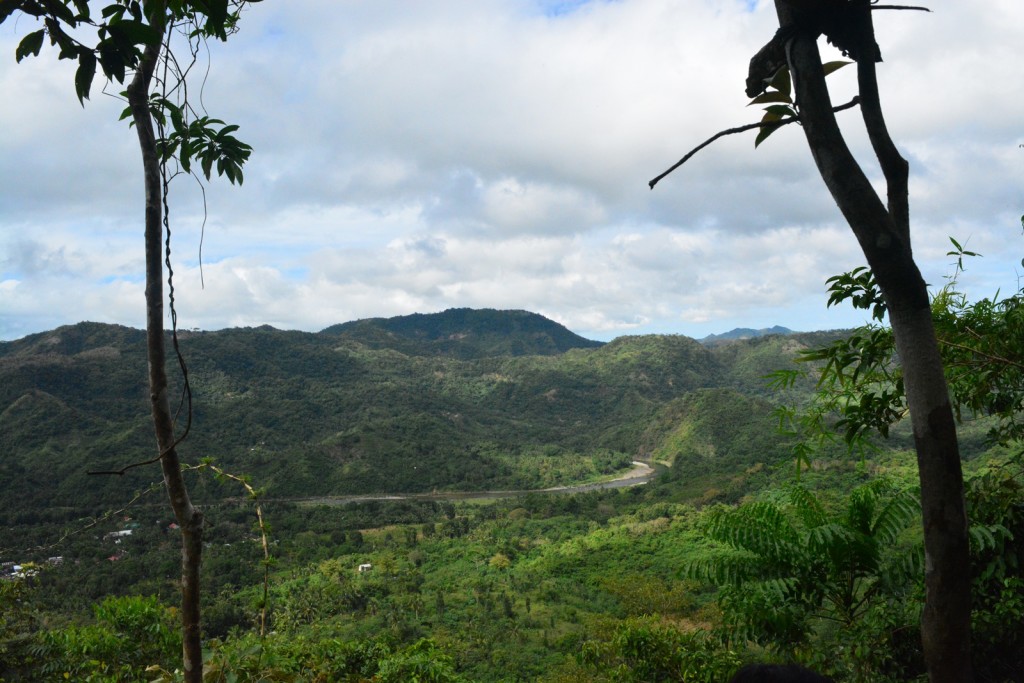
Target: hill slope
x=343, y=412
x=464, y=333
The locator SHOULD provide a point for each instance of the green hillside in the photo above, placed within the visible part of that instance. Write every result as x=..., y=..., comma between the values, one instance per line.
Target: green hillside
x=464, y=333
x=619, y=585
x=418, y=403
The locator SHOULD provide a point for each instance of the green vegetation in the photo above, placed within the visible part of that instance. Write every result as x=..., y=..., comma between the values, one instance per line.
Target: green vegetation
x=464, y=333
x=321, y=414
x=541, y=587
x=721, y=560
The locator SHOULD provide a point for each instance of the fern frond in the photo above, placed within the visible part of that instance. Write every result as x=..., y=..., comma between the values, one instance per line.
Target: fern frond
x=895, y=517
x=903, y=570
x=861, y=509
x=987, y=536
x=732, y=569
x=807, y=506
x=760, y=528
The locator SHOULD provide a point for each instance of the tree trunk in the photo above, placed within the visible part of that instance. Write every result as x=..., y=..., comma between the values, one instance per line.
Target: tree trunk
x=884, y=235
x=188, y=517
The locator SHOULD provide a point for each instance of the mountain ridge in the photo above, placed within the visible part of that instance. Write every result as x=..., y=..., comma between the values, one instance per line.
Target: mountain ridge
x=464, y=333
x=311, y=413
x=746, y=333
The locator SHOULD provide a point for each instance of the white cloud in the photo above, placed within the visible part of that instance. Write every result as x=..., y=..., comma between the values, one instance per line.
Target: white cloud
x=417, y=156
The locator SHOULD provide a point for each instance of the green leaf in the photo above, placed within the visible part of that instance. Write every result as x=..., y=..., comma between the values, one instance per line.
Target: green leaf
x=83, y=10
x=30, y=45
x=112, y=59
x=781, y=111
x=112, y=11
x=216, y=12
x=831, y=67
x=60, y=11
x=782, y=82
x=7, y=9
x=136, y=32
x=177, y=120
x=768, y=97
x=763, y=134
x=85, y=74
x=783, y=379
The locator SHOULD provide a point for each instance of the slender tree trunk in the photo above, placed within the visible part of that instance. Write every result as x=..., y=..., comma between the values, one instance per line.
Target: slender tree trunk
x=884, y=235
x=188, y=517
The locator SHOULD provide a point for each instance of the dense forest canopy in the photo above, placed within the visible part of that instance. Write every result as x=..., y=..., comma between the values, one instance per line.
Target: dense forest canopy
x=613, y=585
x=359, y=409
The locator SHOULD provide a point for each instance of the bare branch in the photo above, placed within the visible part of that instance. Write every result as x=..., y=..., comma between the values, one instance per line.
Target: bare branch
x=741, y=129
x=264, y=535
x=977, y=352
x=151, y=460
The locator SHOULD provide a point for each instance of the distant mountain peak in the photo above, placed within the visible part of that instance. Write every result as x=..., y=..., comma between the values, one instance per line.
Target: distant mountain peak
x=745, y=333
x=464, y=333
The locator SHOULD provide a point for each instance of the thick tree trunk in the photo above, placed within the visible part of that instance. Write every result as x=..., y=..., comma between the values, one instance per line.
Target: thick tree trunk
x=884, y=235
x=188, y=517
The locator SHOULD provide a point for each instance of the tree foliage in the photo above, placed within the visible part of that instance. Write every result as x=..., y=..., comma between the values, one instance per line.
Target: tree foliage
x=134, y=37
x=861, y=380
x=787, y=565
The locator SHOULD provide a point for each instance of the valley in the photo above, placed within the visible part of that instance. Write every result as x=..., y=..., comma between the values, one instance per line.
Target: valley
x=468, y=496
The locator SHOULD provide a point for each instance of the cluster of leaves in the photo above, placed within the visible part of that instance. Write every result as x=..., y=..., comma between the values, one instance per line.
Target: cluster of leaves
x=120, y=37
x=782, y=108
x=293, y=659
x=860, y=383
x=786, y=566
x=644, y=649
x=127, y=634
x=994, y=505
x=204, y=139
x=861, y=394
x=124, y=29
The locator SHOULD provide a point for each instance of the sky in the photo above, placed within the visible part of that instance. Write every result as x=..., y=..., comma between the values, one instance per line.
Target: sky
x=414, y=156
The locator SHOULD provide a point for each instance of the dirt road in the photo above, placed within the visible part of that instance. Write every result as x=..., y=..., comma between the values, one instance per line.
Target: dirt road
x=640, y=474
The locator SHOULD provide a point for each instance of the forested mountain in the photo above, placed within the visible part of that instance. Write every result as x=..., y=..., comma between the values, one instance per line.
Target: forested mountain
x=457, y=400
x=605, y=585
x=464, y=333
x=745, y=333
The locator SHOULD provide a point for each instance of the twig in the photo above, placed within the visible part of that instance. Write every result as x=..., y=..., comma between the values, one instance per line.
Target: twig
x=254, y=495
x=977, y=352
x=741, y=129
x=95, y=521
x=167, y=450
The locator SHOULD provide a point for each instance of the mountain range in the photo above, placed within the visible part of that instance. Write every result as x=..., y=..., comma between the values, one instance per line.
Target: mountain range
x=464, y=399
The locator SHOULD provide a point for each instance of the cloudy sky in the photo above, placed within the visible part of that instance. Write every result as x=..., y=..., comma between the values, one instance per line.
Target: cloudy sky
x=414, y=155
